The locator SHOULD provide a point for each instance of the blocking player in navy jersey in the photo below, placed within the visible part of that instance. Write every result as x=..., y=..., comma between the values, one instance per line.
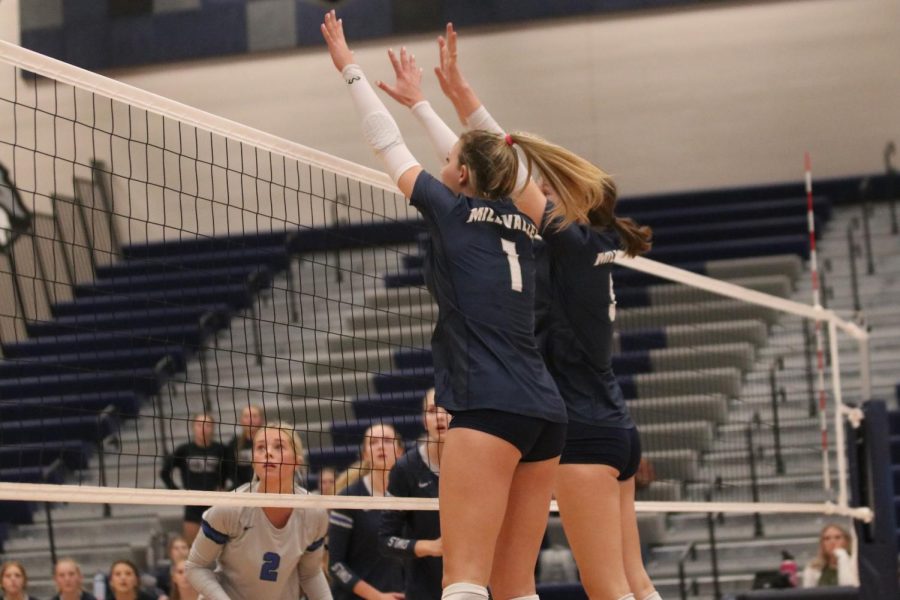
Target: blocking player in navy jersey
x=595, y=483
x=508, y=424
x=415, y=535
x=358, y=568
x=249, y=553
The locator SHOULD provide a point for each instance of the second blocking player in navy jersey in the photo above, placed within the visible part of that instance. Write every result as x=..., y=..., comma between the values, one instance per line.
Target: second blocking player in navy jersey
x=595, y=487
x=508, y=423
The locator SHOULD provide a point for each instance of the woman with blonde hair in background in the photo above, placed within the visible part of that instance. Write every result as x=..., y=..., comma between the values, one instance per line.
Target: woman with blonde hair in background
x=69, y=581
x=181, y=587
x=832, y=564
x=357, y=567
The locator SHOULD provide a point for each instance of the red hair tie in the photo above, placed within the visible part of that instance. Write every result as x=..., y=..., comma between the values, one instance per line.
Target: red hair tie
x=509, y=140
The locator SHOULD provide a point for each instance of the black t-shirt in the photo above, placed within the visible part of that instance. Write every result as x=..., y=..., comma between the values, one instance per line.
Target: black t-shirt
x=479, y=266
x=240, y=461
x=202, y=468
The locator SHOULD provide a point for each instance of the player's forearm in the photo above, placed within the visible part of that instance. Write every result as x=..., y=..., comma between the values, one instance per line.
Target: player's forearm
x=204, y=581
x=442, y=138
x=366, y=590
x=312, y=577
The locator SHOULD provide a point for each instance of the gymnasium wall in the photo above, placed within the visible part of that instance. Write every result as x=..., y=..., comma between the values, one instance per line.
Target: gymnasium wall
x=666, y=100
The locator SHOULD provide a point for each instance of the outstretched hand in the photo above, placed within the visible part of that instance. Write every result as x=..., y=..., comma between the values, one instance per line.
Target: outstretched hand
x=408, y=88
x=448, y=73
x=333, y=32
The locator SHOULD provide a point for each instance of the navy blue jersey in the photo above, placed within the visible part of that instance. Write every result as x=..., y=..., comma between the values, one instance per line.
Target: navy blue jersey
x=479, y=266
x=411, y=477
x=578, y=342
x=353, y=552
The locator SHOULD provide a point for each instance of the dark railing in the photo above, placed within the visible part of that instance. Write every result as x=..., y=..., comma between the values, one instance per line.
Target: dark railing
x=107, y=415
x=852, y=254
x=774, y=392
x=689, y=552
x=713, y=553
x=51, y=469
x=754, y=478
x=891, y=174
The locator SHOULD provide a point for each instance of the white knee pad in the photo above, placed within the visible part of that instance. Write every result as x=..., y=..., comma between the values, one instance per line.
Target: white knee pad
x=464, y=591
x=627, y=597
x=654, y=596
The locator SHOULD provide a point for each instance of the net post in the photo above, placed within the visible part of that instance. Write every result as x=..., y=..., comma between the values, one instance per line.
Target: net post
x=839, y=434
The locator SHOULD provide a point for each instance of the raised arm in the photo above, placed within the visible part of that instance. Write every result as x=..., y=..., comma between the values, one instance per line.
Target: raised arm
x=472, y=113
x=379, y=128
x=408, y=91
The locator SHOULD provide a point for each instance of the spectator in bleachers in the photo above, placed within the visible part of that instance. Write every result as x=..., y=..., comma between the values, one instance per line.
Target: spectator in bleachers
x=177, y=549
x=358, y=568
x=832, y=564
x=14, y=581
x=181, y=587
x=240, y=448
x=327, y=480
x=202, y=465
x=125, y=582
x=69, y=581
x=415, y=535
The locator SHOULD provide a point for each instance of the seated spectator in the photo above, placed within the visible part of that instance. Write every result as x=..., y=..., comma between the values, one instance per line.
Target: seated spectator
x=327, y=479
x=645, y=475
x=202, y=465
x=832, y=564
x=178, y=549
x=69, y=581
x=181, y=588
x=125, y=582
x=358, y=569
x=14, y=581
x=415, y=535
x=240, y=448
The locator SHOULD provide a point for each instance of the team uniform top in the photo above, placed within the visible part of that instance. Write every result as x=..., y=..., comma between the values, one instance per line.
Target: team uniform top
x=201, y=467
x=479, y=266
x=353, y=550
x=578, y=343
x=413, y=477
x=253, y=559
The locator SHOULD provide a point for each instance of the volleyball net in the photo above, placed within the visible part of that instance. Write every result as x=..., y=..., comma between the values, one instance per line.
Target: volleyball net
x=158, y=262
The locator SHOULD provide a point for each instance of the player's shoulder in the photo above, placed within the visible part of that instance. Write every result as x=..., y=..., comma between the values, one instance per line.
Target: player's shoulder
x=225, y=520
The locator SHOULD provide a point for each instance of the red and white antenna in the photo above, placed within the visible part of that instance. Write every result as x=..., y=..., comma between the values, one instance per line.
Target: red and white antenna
x=820, y=351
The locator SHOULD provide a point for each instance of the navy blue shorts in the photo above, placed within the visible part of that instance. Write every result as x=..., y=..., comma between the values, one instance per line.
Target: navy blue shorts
x=537, y=439
x=596, y=445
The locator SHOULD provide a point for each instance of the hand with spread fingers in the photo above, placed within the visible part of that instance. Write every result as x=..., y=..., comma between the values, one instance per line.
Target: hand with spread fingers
x=453, y=84
x=333, y=32
x=407, y=90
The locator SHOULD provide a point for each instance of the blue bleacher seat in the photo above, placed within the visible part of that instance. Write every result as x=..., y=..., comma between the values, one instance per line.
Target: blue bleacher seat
x=272, y=256
x=406, y=380
x=155, y=282
x=391, y=403
x=895, y=450
x=339, y=457
x=642, y=339
x=19, y=513
x=236, y=295
x=31, y=475
x=145, y=381
x=188, y=335
x=129, y=319
x=124, y=402
x=351, y=432
x=561, y=591
x=741, y=248
x=73, y=453
x=80, y=362
x=55, y=428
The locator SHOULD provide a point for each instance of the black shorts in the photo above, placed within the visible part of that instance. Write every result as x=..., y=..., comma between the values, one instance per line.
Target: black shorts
x=537, y=439
x=596, y=445
x=194, y=514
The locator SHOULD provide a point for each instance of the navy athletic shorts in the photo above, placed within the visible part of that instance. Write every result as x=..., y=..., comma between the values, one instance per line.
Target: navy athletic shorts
x=596, y=445
x=537, y=439
x=194, y=514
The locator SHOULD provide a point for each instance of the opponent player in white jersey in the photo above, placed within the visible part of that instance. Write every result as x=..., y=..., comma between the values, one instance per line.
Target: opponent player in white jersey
x=250, y=553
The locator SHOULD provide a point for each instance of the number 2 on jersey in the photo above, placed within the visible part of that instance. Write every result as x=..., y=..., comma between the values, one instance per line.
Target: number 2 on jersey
x=515, y=269
x=269, y=571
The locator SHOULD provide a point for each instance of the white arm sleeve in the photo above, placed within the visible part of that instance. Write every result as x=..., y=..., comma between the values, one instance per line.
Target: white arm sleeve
x=379, y=127
x=441, y=136
x=482, y=119
x=199, y=568
x=846, y=568
x=312, y=576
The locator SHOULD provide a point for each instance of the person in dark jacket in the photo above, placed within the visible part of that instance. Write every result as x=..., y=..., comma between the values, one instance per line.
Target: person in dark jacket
x=415, y=535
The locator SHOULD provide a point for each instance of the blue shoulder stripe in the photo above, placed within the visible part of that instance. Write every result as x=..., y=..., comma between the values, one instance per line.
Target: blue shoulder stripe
x=216, y=536
x=316, y=545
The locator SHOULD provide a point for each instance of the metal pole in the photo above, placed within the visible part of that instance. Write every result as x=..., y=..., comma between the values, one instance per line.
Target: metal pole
x=890, y=173
x=713, y=554
x=776, y=423
x=49, y=515
x=867, y=231
x=754, y=483
x=839, y=434
x=854, y=278
x=808, y=352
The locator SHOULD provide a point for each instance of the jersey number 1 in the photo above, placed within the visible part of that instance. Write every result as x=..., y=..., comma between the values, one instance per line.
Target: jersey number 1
x=269, y=571
x=515, y=269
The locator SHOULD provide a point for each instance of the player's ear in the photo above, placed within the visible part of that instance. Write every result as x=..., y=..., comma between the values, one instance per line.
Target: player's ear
x=463, y=175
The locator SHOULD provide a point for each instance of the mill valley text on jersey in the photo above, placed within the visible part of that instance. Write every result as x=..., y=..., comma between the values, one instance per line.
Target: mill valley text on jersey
x=486, y=214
